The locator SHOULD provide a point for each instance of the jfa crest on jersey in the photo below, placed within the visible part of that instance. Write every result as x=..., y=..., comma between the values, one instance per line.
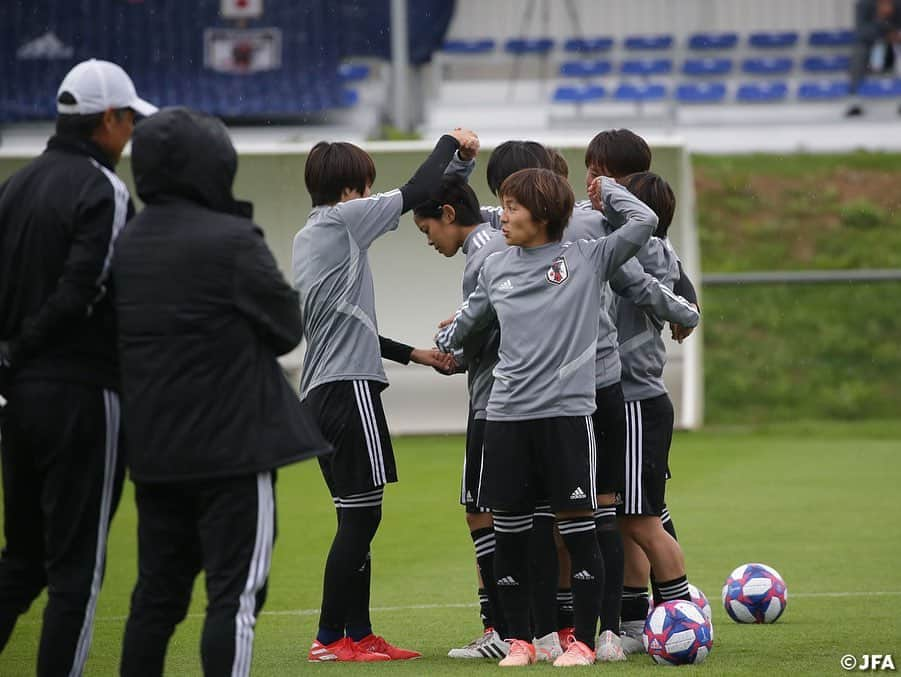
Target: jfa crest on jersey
x=557, y=273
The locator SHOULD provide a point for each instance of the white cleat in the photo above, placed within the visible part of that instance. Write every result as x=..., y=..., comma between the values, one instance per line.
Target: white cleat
x=630, y=637
x=609, y=648
x=548, y=648
x=489, y=645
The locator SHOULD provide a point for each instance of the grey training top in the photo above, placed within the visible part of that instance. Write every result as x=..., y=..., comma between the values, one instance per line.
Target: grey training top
x=547, y=301
x=641, y=348
x=330, y=271
x=480, y=349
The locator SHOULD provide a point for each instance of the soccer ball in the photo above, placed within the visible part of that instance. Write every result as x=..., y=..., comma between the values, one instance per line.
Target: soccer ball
x=754, y=593
x=697, y=596
x=677, y=633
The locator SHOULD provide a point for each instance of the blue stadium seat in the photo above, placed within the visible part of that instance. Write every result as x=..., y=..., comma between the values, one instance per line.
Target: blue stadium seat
x=703, y=41
x=349, y=97
x=640, y=92
x=880, y=88
x=773, y=40
x=567, y=94
x=701, y=92
x=479, y=46
x=767, y=66
x=833, y=63
x=762, y=92
x=707, y=66
x=588, y=45
x=522, y=46
x=646, y=66
x=835, y=38
x=658, y=42
x=821, y=90
x=351, y=72
x=585, y=69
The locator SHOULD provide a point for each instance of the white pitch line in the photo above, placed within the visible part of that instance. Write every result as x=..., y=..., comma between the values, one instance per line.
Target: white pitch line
x=468, y=605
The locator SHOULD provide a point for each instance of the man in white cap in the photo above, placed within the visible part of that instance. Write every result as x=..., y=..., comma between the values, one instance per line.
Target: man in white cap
x=59, y=429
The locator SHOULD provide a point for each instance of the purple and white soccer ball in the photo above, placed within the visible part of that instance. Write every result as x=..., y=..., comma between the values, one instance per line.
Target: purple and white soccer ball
x=755, y=593
x=697, y=596
x=677, y=633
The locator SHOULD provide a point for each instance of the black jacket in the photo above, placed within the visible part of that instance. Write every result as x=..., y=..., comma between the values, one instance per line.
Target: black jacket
x=203, y=312
x=58, y=217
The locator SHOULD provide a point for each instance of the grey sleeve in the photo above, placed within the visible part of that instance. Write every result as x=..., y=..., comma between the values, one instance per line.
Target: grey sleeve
x=639, y=222
x=461, y=168
x=475, y=314
x=367, y=218
x=492, y=216
x=632, y=283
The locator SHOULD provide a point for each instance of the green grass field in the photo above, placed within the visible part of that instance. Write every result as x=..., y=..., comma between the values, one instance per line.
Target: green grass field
x=817, y=501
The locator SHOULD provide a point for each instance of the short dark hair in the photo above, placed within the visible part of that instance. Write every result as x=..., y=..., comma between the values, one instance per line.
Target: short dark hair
x=453, y=191
x=332, y=167
x=79, y=126
x=561, y=166
x=546, y=194
x=511, y=156
x=620, y=151
x=657, y=194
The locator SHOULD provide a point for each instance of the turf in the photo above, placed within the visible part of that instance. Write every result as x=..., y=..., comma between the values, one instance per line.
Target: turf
x=817, y=501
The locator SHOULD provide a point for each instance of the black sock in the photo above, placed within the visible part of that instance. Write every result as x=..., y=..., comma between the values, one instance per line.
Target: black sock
x=345, y=568
x=484, y=543
x=358, y=623
x=588, y=575
x=635, y=604
x=511, y=572
x=544, y=572
x=674, y=589
x=564, y=608
x=610, y=542
x=667, y=522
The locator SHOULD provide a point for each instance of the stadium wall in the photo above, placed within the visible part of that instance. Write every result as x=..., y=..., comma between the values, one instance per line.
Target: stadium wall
x=502, y=19
x=416, y=287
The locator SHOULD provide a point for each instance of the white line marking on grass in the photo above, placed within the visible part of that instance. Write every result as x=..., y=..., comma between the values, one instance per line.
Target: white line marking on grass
x=472, y=605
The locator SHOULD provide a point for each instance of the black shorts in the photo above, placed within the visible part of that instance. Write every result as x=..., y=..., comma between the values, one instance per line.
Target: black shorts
x=649, y=433
x=610, y=430
x=545, y=460
x=352, y=419
x=472, y=464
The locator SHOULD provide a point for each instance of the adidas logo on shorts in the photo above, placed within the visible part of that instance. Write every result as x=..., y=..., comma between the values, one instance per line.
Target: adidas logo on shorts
x=577, y=494
x=506, y=285
x=507, y=580
x=583, y=576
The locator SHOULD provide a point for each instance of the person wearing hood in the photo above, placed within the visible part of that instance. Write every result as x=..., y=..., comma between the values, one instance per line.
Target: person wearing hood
x=59, y=377
x=203, y=313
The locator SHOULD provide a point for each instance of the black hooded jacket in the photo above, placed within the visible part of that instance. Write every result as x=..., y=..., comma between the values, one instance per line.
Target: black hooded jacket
x=203, y=312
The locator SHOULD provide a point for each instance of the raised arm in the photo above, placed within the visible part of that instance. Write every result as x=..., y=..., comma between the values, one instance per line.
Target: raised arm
x=639, y=222
x=646, y=292
x=416, y=190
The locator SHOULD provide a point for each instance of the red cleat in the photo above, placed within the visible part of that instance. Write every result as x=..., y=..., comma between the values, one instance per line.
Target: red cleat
x=379, y=646
x=567, y=637
x=344, y=650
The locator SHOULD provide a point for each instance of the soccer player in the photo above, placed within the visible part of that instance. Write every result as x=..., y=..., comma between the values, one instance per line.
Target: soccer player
x=343, y=374
x=649, y=427
x=539, y=441
x=619, y=153
x=451, y=221
x=62, y=463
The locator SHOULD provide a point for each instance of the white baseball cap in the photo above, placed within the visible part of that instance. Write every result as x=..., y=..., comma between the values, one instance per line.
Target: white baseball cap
x=97, y=85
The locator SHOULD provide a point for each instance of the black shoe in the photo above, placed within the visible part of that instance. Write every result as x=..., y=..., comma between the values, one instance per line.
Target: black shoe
x=854, y=111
